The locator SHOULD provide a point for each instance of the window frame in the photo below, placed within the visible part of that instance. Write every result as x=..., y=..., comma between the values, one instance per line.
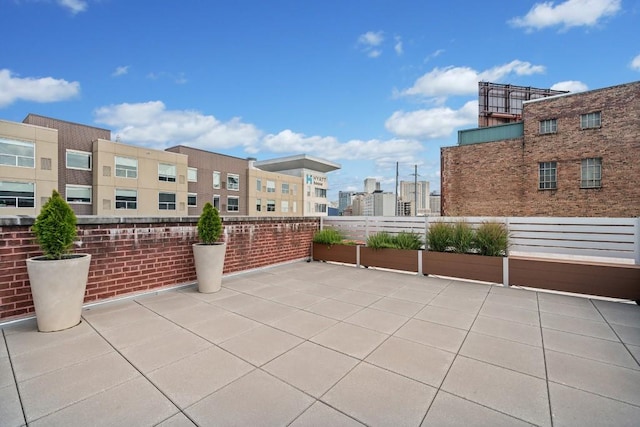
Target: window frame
x=271, y=186
x=217, y=175
x=587, y=118
x=548, y=170
x=84, y=187
x=190, y=172
x=258, y=205
x=237, y=205
x=258, y=184
x=236, y=185
x=271, y=203
x=86, y=154
x=127, y=203
x=284, y=206
x=548, y=126
x=193, y=196
x=124, y=167
x=16, y=163
x=17, y=198
x=284, y=188
x=167, y=177
x=168, y=205
x=594, y=170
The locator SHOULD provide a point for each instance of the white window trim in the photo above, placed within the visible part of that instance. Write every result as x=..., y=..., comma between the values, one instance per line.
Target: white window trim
x=22, y=207
x=79, y=186
x=233, y=198
x=233, y=175
x=24, y=144
x=115, y=166
x=115, y=199
x=175, y=201
x=190, y=195
x=84, y=153
x=192, y=170
x=167, y=175
x=219, y=175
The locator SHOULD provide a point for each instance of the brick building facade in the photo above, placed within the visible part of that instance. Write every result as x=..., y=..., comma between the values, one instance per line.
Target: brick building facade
x=577, y=155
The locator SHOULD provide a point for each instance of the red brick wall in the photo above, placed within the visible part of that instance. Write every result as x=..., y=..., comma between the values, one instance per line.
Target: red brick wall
x=130, y=257
x=494, y=179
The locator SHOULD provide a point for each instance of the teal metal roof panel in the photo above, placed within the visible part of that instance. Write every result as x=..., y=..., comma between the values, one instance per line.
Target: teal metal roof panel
x=490, y=133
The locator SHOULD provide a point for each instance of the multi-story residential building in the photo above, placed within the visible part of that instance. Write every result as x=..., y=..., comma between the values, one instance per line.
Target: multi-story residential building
x=345, y=199
x=273, y=194
x=215, y=178
x=434, y=204
x=313, y=172
x=417, y=194
x=572, y=155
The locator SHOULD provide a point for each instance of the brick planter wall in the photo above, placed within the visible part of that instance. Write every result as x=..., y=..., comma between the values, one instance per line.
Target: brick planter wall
x=133, y=255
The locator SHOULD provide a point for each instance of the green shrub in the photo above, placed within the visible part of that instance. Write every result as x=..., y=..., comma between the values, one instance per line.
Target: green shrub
x=492, y=239
x=328, y=236
x=55, y=227
x=440, y=236
x=209, y=225
x=462, y=237
x=381, y=240
x=408, y=240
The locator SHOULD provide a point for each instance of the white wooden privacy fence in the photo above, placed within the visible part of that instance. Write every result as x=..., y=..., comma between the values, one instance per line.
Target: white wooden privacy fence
x=614, y=240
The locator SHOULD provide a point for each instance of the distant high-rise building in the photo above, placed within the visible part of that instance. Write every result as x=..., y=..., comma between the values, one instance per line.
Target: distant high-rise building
x=370, y=185
x=345, y=199
x=417, y=194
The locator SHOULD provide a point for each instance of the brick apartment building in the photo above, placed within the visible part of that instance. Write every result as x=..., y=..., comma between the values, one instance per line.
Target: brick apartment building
x=100, y=177
x=572, y=155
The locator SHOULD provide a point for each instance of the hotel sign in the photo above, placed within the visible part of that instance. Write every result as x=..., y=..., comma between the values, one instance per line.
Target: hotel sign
x=316, y=180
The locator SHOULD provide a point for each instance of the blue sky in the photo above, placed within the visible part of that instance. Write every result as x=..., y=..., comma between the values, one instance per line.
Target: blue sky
x=363, y=83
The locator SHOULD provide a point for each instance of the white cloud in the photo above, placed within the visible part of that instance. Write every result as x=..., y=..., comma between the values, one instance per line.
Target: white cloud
x=179, y=78
x=43, y=89
x=398, y=46
x=120, y=71
x=635, y=63
x=369, y=43
x=434, y=54
x=432, y=123
x=571, y=13
x=442, y=82
x=151, y=124
x=74, y=6
x=383, y=153
x=570, y=85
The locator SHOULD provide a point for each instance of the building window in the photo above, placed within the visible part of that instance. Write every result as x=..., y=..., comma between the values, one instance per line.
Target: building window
x=17, y=194
x=233, y=182
x=591, y=173
x=295, y=189
x=321, y=192
x=548, y=126
x=167, y=201
x=167, y=173
x=258, y=205
x=192, y=175
x=17, y=153
x=78, y=193
x=126, y=199
x=271, y=186
x=271, y=205
x=216, y=202
x=258, y=185
x=192, y=200
x=589, y=121
x=233, y=204
x=216, y=180
x=78, y=160
x=548, y=176
x=126, y=167
x=321, y=207
x=284, y=206
x=295, y=207
x=285, y=188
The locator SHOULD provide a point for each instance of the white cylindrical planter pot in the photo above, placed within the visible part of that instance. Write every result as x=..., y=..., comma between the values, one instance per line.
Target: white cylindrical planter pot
x=209, y=262
x=58, y=288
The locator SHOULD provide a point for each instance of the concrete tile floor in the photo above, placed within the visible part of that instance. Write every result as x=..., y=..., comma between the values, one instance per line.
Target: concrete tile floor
x=316, y=344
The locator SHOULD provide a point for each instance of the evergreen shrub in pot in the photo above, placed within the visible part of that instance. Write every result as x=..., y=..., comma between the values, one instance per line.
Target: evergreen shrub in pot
x=58, y=278
x=209, y=253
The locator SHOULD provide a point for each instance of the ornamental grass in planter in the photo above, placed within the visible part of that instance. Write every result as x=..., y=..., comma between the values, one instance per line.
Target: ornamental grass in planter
x=58, y=279
x=397, y=252
x=209, y=253
x=329, y=244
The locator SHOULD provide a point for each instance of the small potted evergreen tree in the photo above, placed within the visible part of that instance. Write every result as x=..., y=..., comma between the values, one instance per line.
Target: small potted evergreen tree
x=58, y=278
x=209, y=253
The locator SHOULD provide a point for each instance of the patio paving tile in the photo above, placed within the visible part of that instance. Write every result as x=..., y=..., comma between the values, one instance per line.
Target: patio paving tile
x=53, y=357
x=514, y=292
x=414, y=295
x=134, y=403
x=518, y=332
x=350, y=339
x=168, y=301
x=628, y=334
x=552, y=297
x=320, y=414
x=378, y=397
x=605, y=351
x=115, y=315
x=454, y=302
x=377, y=320
x=448, y=410
x=164, y=349
x=577, y=326
x=257, y=399
x=596, y=377
x=635, y=351
x=80, y=381
x=519, y=395
x=10, y=410
x=335, y=309
x=358, y=298
x=136, y=333
x=190, y=379
x=236, y=302
x=178, y=420
x=508, y=354
x=419, y=362
x=6, y=373
x=311, y=368
x=511, y=314
x=433, y=334
x=512, y=300
x=21, y=341
x=619, y=313
x=244, y=285
x=445, y=316
x=298, y=299
x=587, y=312
x=266, y=311
x=215, y=296
x=397, y=306
x=224, y=327
x=572, y=407
x=261, y=344
x=304, y=324
x=271, y=292
x=196, y=314
x=383, y=289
